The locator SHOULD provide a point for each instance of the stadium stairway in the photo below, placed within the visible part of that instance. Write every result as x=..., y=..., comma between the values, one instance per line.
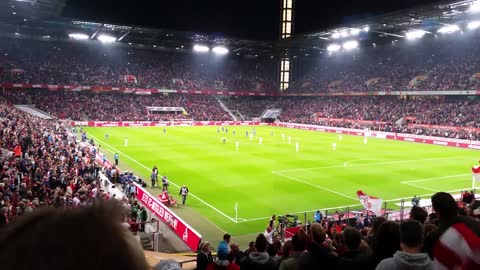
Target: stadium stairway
x=34, y=111
x=234, y=118
x=238, y=115
x=146, y=241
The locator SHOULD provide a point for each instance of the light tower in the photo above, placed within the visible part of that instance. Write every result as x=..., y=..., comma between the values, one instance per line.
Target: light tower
x=286, y=29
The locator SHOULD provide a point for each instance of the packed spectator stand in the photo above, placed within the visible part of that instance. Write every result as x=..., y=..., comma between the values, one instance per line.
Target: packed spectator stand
x=69, y=63
x=437, y=63
x=377, y=113
x=44, y=165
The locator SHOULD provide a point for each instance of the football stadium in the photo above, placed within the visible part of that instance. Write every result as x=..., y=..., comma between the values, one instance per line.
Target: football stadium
x=329, y=144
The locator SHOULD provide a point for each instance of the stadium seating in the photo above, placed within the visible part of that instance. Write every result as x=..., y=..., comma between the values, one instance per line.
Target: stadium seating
x=447, y=63
x=437, y=64
x=44, y=165
x=459, y=112
x=454, y=112
x=37, y=62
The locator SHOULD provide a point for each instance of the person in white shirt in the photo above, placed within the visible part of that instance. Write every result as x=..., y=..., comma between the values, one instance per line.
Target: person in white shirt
x=269, y=235
x=75, y=201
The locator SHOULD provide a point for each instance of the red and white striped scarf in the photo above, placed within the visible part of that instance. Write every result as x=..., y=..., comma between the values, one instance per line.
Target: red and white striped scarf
x=457, y=249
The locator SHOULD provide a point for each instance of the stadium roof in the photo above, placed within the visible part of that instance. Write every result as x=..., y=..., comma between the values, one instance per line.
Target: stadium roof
x=40, y=18
x=391, y=26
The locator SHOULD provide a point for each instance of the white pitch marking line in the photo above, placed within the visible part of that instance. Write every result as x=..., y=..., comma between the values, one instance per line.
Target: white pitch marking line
x=367, y=164
x=148, y=169
x=433, y=178
x=313, y=185
x=345, y=206
x=417, y=186
x=348, y=162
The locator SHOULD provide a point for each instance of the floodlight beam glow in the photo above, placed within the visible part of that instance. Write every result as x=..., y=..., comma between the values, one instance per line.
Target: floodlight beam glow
x=201, y=48
x=349, y=45
x=354, y=31
x=414, y=34
x=336, y=35
x=333, y=47
x=220, y=50
x=474, y=7
x=106, y=39
x=78, y=36
x=473, y=25
x=448, y=29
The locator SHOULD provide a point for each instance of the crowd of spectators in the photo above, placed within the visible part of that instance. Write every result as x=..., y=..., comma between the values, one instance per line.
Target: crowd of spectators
x=119, y=107
x=443, y=63
x=69, y=63
x=447, y=238
x=42, y=164
x=448, y=63
x=345, y=112
x=460, y=113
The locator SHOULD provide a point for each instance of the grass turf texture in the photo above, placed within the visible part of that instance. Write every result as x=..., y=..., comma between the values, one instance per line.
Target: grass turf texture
x=272, y=178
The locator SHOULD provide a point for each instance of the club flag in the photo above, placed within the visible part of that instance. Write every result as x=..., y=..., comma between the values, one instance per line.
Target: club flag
x=184, y=112
x=130, y=78
x=370, y=203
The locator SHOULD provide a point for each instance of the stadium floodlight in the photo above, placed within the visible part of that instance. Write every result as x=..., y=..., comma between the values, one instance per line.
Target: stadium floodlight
x=78, y=36
x=354, y=31
x=474, y=7
x=106, y=38
x=220, y=50
x=336, y=35
x=344, y=33
x=473, y=25
x=447, y=29
x=333, y=47
x=201, y=48
x=414, y=34
x=350, y=45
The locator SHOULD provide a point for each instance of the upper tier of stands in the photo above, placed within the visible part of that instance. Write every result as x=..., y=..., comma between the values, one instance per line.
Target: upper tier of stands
x=61, y=63
x=440, y=63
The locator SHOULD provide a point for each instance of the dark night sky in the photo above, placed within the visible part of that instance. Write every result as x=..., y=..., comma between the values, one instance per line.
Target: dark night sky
x=254, y=19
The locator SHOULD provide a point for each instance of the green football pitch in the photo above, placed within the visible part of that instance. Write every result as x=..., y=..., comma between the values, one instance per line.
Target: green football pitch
x=273, y=178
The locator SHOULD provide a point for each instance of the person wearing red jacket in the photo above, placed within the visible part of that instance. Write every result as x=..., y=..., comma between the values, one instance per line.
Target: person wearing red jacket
x=17, y=150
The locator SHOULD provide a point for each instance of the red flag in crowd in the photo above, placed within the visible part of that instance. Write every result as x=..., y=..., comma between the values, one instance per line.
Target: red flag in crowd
x=370, y=203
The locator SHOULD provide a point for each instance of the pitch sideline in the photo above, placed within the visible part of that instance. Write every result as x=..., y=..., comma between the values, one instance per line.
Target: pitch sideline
x=174, y=184
x=344, y=206
x=242, y=220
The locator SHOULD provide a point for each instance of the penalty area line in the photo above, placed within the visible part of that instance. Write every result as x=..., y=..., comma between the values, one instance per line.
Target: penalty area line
x=313, y=185
x=368, y=164
x=174, y=184
x=409, y=182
